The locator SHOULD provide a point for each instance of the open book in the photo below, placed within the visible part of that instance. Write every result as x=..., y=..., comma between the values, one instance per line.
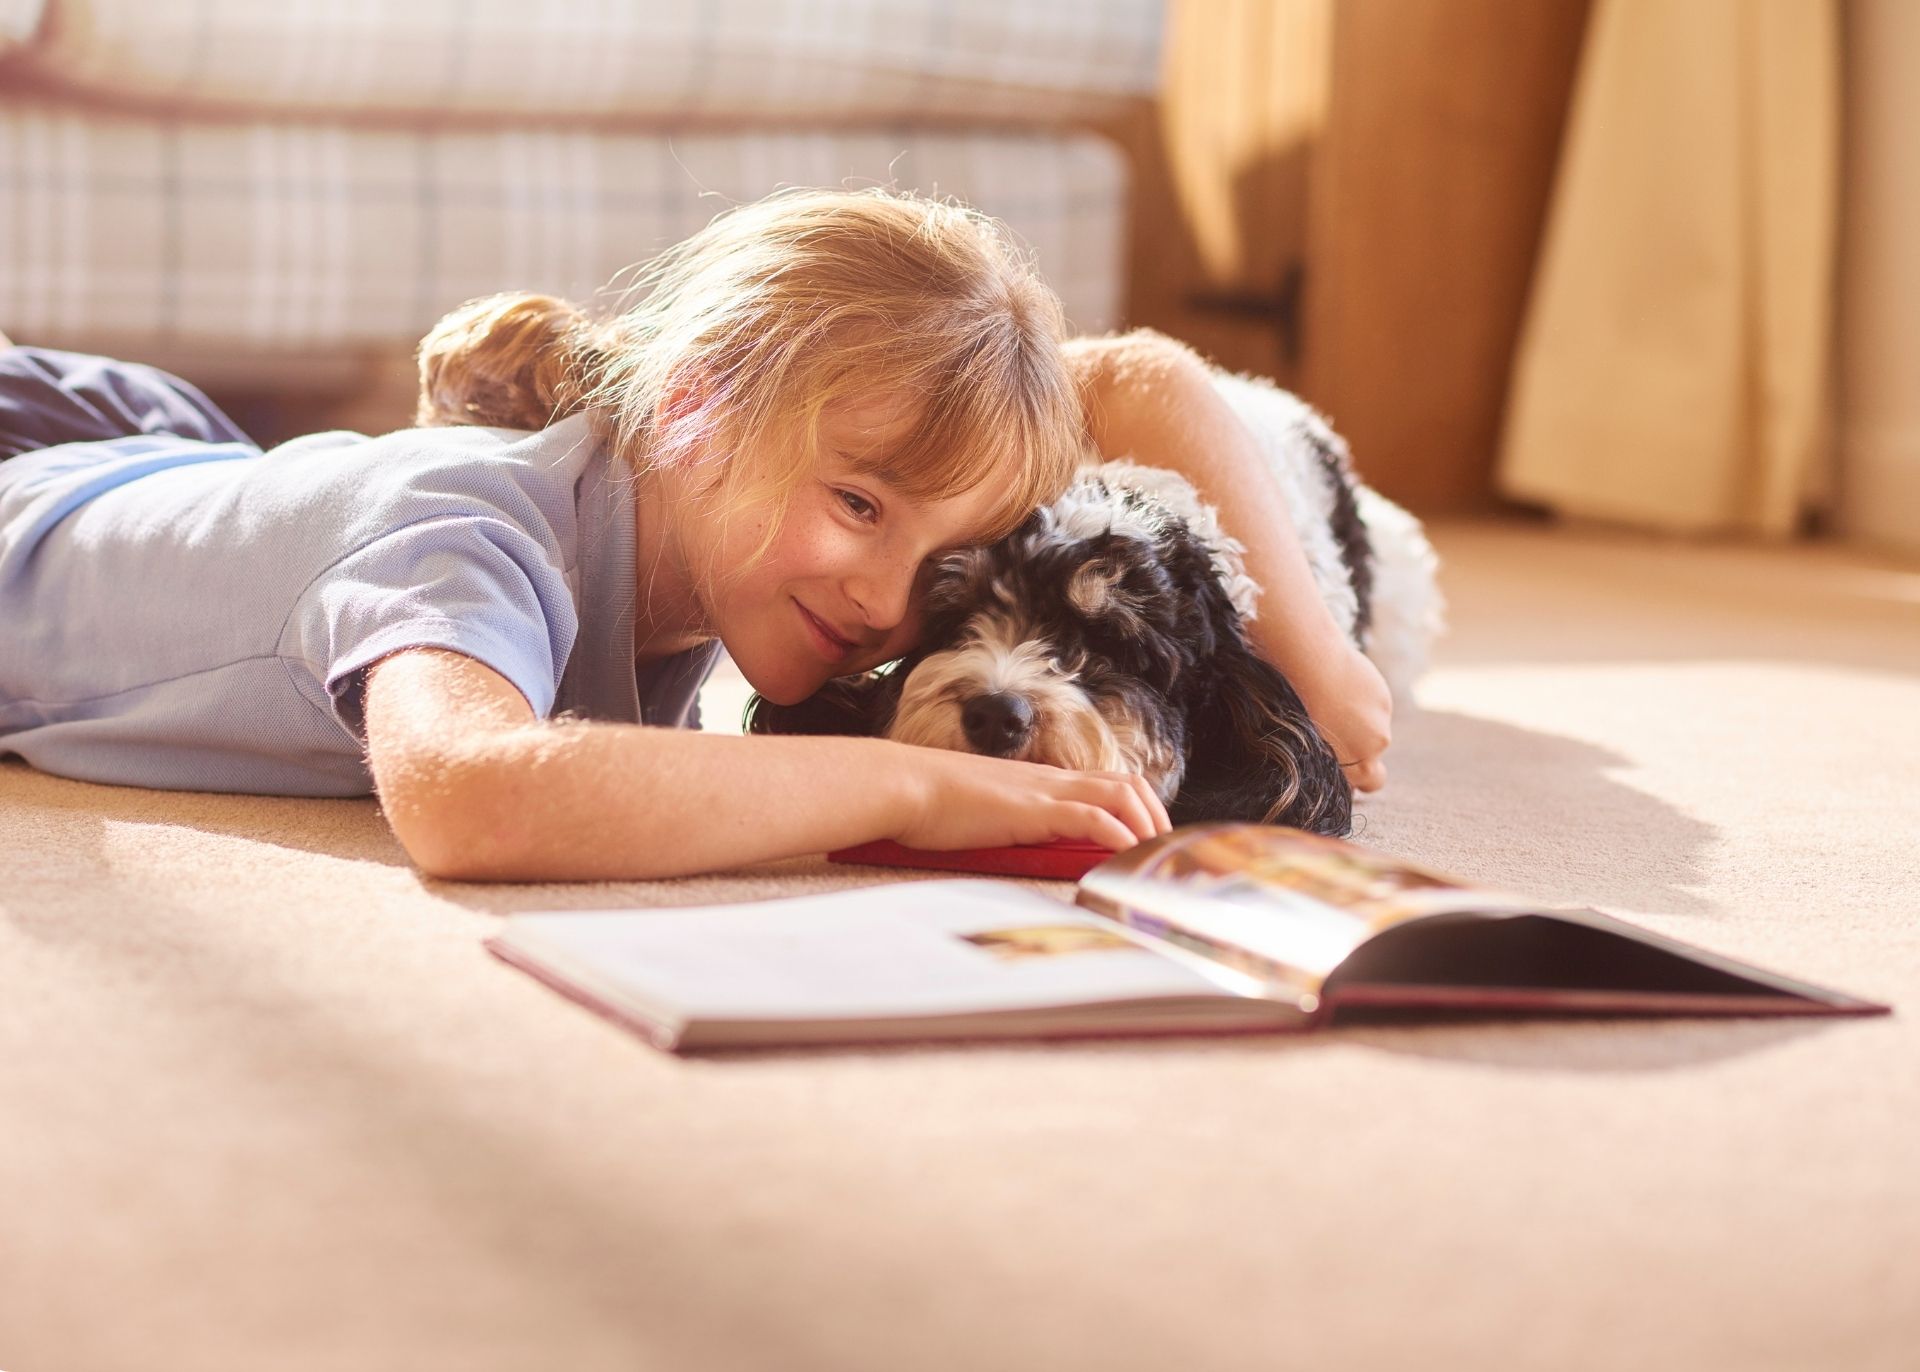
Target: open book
x=1212, y=928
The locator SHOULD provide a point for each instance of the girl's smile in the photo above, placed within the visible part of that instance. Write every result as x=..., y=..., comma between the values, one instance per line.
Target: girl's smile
x=835, y=647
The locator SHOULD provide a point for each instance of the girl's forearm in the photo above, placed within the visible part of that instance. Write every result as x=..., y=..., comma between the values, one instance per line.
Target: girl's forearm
x=628, y=802
x=477, y=789
x=1151, y=398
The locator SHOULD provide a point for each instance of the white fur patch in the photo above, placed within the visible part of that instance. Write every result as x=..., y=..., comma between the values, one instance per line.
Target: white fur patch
x=1286, y=430
x=1409, y=612
x=1086, y=511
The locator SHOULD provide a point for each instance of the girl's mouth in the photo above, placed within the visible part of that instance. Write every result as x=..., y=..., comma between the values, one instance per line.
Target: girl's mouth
x=830, y=644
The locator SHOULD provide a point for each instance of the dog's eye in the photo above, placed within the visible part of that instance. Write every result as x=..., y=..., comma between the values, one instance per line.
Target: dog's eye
x=947, y=589
x=1136, y=650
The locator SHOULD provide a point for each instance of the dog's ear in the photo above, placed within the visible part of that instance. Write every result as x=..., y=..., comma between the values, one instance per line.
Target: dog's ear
x=1255, y=754
x=858, y=705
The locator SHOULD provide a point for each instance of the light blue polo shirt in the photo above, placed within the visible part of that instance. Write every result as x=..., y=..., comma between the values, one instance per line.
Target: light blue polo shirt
x=199, y=616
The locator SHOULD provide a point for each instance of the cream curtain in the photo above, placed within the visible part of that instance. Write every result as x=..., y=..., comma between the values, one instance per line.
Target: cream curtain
x=1673, y=366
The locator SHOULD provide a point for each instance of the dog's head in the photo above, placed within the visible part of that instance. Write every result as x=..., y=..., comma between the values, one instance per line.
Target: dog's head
x=1103, y=635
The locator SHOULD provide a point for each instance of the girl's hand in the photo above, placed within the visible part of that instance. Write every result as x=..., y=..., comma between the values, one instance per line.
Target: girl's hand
x=1353, y=707
x=963, y=800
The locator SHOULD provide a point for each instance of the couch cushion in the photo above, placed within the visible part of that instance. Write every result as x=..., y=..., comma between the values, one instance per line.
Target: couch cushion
x=299, y=236
x=991, y=59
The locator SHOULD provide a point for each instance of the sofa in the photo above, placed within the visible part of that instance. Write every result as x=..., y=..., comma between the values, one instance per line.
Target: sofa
x=261, y=194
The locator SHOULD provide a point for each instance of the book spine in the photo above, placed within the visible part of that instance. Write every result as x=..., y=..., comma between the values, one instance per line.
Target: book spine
x=1228, y=965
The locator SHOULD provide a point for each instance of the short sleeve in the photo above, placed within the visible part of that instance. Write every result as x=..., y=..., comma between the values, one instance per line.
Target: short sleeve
x=470, y=584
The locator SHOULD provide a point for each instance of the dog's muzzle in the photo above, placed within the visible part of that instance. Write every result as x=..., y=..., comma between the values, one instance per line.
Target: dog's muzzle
x=999, y=724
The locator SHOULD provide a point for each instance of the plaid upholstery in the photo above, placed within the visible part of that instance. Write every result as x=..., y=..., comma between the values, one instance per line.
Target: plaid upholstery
x=1006, y=60
x=287, y=236
x=18, y=19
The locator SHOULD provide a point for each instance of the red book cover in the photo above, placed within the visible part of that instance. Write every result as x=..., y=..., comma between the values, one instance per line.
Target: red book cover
x=1064, y=859
x=1211, y=928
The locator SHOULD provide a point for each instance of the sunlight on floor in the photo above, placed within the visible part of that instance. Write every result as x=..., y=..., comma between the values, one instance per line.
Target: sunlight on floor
x=1903, y=587
x=723, y=700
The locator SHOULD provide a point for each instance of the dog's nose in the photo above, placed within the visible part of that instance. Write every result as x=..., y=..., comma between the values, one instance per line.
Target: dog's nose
x=997, y=724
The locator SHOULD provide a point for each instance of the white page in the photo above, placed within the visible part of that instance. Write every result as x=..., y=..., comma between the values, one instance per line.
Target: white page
x=896, y=949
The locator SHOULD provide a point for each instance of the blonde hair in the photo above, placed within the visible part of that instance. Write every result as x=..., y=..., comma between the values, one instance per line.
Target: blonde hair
x=744, y=333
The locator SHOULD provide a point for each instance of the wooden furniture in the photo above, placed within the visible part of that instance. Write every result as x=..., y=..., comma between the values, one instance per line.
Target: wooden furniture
x=1346, y=195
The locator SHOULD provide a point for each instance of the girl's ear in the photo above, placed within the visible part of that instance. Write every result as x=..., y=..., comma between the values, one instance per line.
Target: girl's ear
x=862, y=706
x=1256, y=755
x=683, y=423
x=686, y=398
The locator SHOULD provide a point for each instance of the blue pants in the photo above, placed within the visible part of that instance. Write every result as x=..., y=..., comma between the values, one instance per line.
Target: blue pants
x=48, y=398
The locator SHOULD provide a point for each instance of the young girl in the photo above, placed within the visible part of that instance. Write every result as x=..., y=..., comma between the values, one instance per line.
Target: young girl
x=497, y=628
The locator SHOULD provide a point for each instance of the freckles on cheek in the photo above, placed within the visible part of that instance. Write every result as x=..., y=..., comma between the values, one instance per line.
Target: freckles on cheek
x=810, y=546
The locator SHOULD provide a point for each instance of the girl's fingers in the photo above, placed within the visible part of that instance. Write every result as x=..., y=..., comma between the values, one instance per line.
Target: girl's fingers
x=1116, y=793
x=1098, y=825
x=1144, y=800
x=1155, y=806
x=1142, y=793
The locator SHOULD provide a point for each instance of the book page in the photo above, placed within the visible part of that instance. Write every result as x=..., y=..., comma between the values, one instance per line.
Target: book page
x=1279, y=905
x=1304, y=916
x=908, y=948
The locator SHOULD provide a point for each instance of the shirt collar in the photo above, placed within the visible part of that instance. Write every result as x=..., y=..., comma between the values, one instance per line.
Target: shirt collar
x=600, y=681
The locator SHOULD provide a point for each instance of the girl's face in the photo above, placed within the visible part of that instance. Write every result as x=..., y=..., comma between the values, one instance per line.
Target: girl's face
x=838, y=590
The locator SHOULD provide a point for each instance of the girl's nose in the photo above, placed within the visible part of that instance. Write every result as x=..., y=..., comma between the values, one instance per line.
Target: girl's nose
x=885, y=596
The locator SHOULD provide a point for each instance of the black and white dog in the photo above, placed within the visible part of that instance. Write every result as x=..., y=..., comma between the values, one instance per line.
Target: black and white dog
x=1108, y=633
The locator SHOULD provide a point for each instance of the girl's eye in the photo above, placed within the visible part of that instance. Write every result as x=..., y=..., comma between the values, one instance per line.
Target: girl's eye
x=859, y=506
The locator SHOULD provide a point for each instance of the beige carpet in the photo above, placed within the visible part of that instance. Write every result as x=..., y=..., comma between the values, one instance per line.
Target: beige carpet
x=265, y=1103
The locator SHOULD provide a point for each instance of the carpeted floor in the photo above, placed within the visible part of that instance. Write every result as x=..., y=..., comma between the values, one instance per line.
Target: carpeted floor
x=267, y=1104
